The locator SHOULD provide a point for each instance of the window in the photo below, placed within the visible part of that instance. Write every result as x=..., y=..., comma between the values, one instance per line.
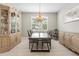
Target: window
x=39, y=26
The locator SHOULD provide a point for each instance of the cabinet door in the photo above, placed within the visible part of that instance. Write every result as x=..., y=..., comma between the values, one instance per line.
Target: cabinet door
x=12, y=41
x=5, y=42
x=18, y=35
x=0, y=43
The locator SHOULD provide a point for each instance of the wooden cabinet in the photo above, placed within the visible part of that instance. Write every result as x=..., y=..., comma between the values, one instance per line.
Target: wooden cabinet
x=10, y=27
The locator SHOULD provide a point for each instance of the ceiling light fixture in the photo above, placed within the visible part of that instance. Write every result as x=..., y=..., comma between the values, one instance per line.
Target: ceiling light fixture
x=39, y=17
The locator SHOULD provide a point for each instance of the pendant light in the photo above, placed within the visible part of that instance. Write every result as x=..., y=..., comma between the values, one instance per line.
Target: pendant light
x=39, y=17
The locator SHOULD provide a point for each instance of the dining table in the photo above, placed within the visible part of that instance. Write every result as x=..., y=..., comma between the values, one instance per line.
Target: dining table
x=42, y=37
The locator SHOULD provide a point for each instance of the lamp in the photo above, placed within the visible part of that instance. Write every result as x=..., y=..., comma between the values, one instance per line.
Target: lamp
x=39, y=17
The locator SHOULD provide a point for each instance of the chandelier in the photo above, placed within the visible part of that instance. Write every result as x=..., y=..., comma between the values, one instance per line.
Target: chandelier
x=39, y=17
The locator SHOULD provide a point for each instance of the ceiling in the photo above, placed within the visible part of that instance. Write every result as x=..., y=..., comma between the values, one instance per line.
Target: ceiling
x=44, y=7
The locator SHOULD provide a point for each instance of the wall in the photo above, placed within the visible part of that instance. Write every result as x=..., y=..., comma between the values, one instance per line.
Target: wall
x=26, y=21
x=67, y=27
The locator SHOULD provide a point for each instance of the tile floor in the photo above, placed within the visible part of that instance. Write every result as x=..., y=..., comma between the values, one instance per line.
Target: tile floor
x=22, y=49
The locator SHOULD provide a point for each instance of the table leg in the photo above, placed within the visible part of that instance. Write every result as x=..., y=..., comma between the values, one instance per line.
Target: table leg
x=48, y=46
x=29, y=45
x=37, y=46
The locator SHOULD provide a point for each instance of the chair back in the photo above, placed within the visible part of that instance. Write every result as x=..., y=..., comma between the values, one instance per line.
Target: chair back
x=29, y=34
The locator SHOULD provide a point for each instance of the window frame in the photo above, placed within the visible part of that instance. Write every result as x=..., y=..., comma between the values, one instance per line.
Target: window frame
x=39, y=30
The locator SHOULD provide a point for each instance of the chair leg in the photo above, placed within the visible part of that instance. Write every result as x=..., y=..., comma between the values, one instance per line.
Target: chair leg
x=42, y=45
x=48, y=46
x=37, y=45
x=29, y=45
x=32, y=46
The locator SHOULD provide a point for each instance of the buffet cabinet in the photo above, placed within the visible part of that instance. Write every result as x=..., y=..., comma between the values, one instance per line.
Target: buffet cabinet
x=10, y=27
x=70, y=40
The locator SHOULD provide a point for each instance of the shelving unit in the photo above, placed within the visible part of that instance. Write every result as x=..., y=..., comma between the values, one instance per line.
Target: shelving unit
x=10, y=26
x=4, y=14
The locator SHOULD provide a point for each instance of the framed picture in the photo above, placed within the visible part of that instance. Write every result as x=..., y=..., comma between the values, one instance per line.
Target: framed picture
x=72, y=15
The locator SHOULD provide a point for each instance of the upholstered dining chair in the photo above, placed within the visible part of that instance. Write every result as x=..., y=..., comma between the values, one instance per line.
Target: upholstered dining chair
x=46, y=41
x=29, y=35
x=50, y=32
x=31, y=32
x=31, y=41
x=28, y=32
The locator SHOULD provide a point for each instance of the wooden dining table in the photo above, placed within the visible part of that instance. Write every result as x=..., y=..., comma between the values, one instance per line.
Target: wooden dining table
x=42, y=37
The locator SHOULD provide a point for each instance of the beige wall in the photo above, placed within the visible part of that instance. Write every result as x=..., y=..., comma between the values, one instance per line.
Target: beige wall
x=67, y=27
x=26, y=21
